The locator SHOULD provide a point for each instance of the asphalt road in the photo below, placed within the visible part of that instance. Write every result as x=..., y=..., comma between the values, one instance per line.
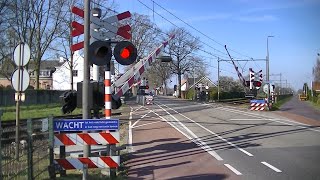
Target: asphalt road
x=301, y=108
x=177, y=139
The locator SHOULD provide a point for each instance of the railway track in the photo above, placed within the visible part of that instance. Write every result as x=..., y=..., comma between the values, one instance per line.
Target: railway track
x=236, y=101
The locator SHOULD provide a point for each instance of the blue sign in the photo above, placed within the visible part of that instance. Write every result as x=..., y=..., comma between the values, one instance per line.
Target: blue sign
x=85, y=124
x=257, y=101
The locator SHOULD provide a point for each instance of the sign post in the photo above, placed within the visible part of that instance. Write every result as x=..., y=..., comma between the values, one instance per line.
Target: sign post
x=20, y=82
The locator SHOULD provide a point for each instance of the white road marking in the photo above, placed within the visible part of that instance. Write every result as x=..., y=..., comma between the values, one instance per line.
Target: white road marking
x=261, y=119
x=230, y=143
x=138, y=108
x=272, y=167
x=268, y=118
x=140, y=118
x=194, y=137
x=233, y=169
x=147, y=124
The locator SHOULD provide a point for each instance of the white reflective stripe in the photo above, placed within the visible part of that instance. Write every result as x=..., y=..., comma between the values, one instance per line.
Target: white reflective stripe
x=57, y=141
x=125, y=87
x=107, y=90
x=75, y=163
x=98, y=162
x=107, y=105
x=76, y=139
x=107, y=75
x=98, y=138
x=116, y=135
x=116, y=159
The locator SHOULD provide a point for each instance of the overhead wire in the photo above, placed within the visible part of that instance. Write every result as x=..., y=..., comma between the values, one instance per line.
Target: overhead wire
x=196, y=29
x=164, y=33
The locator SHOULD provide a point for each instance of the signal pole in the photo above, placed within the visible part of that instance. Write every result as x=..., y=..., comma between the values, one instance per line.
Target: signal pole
x=86, y=76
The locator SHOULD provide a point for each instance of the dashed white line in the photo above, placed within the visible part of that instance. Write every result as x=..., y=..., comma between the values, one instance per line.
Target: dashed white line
x=271, y=167
x=233, y=169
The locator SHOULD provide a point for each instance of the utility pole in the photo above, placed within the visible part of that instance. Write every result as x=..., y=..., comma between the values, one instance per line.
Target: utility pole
x=218, y=79
x=86, y=75
x=267, y=70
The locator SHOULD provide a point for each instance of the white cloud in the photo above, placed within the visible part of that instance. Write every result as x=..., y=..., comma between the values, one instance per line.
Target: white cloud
x=217, y=16
x=252, y=18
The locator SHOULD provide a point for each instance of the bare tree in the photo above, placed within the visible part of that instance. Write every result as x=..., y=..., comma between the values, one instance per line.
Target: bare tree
x=159, y=74
x=145, y=34
x=180, y=49
x=228, y=84
x=38, y=23
x=316, y=70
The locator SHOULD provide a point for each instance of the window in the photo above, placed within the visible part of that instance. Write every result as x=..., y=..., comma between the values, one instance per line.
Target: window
x=74, y=73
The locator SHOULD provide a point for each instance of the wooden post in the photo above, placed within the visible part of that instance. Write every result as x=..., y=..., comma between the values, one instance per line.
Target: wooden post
x=30, y=150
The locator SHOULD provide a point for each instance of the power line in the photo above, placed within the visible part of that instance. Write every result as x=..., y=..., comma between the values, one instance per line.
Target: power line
x=194, y=28
x=178, y=26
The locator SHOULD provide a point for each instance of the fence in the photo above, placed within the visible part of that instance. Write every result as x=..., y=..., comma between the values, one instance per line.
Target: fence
x=32, y=97
x=33, y=153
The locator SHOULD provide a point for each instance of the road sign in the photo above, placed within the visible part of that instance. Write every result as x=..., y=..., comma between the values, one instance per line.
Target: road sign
x=113, y=30
x=257, y=101
x=85, y=124
x=22, y=83
x=21, y=54
x=265, y=88
x=45, y=124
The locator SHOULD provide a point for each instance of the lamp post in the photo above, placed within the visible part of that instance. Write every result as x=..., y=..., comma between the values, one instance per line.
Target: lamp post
x=267, y=70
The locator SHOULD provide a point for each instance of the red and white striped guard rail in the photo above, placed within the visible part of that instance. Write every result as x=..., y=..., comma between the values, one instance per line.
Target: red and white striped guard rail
x=101, y=138
x=144, y=66
x=92, y=162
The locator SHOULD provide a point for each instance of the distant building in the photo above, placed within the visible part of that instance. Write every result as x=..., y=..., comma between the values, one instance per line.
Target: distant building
x=316, y=86
x=200, y=82
x=45, y=75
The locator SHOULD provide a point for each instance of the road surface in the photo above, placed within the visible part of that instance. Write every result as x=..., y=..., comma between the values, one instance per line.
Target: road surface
x=178, y=139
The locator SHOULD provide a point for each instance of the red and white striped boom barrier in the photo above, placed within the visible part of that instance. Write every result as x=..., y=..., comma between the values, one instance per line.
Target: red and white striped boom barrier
x=138, y=70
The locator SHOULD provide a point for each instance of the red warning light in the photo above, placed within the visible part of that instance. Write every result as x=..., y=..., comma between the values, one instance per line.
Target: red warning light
x=257, y=83
x=125, y=53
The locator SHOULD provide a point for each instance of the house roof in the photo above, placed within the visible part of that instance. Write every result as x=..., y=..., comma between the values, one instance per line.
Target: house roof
x=194, y=81
x=47, y=64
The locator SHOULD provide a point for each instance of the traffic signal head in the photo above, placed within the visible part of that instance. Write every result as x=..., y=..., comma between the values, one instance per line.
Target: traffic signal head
x=69, y=99
x=125, y=53
x=100, y=53
x=257, y=84
x=116, y=102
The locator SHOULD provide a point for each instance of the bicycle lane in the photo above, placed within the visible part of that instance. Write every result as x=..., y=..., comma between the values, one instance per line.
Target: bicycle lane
x=161, y=151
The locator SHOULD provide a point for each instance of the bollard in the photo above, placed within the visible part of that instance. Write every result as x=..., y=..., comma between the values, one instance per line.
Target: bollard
x=85, y=172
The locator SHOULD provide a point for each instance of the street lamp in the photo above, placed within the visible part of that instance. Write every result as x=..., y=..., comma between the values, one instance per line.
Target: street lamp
x=267, y=70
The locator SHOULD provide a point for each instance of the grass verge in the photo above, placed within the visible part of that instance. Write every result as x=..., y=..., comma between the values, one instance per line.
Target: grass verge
x=276, y=106
x=34, y=111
